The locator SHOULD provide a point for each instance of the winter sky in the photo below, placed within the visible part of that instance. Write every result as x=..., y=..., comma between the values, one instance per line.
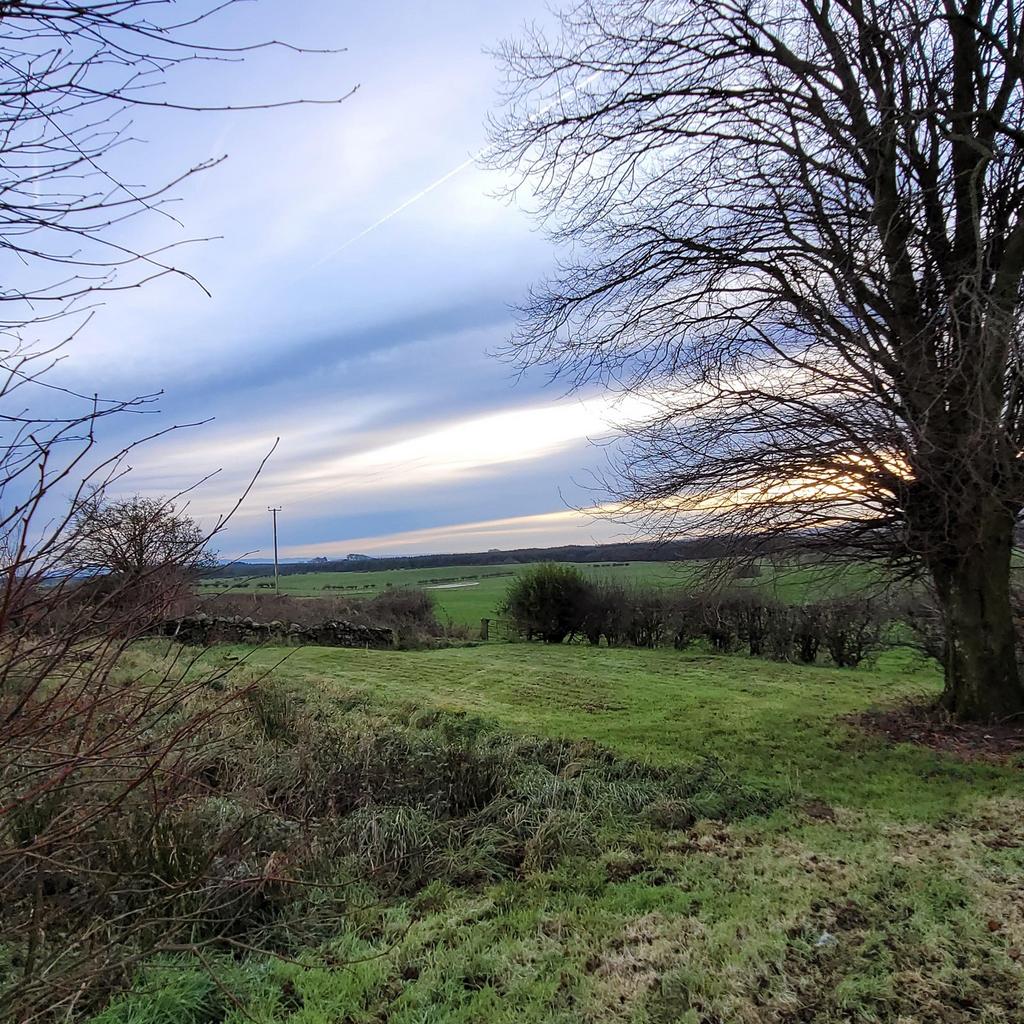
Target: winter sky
x=361, y=274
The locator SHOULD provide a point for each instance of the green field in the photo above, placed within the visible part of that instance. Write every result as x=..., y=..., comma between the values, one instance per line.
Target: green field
x=884, y=886
x=466, y=594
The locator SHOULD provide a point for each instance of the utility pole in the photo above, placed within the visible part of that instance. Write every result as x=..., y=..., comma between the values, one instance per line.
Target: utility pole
x=277, y=578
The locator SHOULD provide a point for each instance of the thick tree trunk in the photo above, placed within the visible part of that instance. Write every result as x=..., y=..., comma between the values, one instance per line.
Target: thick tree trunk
x=982, y=679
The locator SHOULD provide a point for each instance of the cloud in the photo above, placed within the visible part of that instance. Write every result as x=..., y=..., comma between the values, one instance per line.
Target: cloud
x=320, y=466
x=370, y=365
x=542, y=530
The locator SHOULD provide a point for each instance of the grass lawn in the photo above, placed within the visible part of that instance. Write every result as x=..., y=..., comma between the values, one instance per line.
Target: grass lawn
x=773, y=722
x=886, y=885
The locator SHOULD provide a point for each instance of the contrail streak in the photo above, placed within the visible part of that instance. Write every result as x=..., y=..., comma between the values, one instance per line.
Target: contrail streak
x=404, y=206
x=444, y=177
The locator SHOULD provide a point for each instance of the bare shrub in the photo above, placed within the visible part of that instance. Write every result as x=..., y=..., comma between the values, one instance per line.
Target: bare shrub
x=685, y=619
x=605, y=613
x=649, y=611
x=97, y=868
x=638, y=615
x=96, y=865
x=808, y=632
x=408, y=611
x=854, y=629
x=754, y=617
x=795, y=633
x=718, y=624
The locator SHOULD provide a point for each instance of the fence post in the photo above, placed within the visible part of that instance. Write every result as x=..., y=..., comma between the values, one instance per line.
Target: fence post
x=485, y=629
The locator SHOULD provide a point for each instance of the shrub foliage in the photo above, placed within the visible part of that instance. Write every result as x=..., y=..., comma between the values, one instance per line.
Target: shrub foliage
x=548, y=602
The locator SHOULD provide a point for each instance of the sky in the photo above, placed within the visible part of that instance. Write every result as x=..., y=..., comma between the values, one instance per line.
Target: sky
x=360, y=277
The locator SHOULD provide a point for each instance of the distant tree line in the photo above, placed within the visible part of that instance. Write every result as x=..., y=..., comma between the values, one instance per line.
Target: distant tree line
x=639, y=551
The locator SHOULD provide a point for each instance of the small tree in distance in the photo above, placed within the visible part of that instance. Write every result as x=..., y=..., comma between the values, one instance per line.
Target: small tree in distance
x=137, y=536
x=140, y=551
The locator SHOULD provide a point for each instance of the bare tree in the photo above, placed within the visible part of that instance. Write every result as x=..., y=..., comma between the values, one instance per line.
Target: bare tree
x=135, y=536
x=140, y=552
x=796, y=226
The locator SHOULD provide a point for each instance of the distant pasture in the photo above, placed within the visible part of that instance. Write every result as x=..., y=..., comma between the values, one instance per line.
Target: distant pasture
x=468, y=593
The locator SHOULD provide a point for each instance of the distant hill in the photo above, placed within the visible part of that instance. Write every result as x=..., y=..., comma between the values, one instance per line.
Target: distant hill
x=637, y=551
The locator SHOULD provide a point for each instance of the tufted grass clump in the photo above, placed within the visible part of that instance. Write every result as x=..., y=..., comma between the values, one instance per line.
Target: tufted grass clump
x=403, y=796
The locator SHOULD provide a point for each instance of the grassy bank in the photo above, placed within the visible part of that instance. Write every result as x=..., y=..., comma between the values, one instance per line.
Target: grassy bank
x=872, y=883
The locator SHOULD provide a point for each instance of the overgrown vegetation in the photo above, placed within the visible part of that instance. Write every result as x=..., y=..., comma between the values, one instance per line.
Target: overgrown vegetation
x=264, y=830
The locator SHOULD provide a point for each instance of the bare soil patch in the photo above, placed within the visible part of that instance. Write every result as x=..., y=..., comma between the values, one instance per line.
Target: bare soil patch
x=926, y=725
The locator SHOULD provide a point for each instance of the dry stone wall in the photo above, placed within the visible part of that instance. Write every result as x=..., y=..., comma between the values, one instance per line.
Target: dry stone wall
x=203, y=630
